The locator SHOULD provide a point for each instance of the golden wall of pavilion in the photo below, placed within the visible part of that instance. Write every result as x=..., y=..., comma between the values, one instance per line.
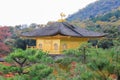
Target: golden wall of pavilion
x=56, y=44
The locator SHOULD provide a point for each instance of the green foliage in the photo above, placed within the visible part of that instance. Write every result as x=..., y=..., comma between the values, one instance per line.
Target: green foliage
x=91, y=63
x=113, y=32
x=111, y=37
x=100, y=7
x=99, y=63
x=105, y=44
x=107, y=16
x=38, y=71
x=65, y=61
x=29, y=64
x=71, y=52
x=2, y=78
x=29, y=54
x=15, y=40
x=20, y=43
x=79, y=54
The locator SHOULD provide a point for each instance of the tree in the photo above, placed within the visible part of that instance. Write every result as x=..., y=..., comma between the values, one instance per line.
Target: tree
x=15, y=41
x=4, y=33
x=31, y=64
x=94, y=63
x=33, y=25
x=20, y=43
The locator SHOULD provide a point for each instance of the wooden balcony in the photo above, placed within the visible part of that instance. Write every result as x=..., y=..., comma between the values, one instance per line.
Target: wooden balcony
x=30, y=46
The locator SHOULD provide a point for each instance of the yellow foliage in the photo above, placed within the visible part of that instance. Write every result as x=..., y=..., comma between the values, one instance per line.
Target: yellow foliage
x=117, y=23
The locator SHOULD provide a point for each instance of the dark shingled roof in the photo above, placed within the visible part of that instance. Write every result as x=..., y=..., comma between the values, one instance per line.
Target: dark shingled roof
x=63, y=28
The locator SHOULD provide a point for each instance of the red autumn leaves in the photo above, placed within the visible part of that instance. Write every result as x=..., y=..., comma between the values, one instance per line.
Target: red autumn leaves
x=4, y=34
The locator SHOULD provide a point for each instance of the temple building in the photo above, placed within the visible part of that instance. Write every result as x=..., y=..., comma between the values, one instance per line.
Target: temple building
x=59, y=36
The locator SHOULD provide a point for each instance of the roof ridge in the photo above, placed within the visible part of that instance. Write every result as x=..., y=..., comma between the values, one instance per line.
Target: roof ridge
x=59, y=28
x=72, y=28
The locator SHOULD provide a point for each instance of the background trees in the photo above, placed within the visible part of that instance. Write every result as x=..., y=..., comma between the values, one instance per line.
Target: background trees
x=4, y=34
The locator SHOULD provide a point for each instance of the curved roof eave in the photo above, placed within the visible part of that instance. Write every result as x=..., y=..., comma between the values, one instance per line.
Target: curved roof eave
x=63, y=28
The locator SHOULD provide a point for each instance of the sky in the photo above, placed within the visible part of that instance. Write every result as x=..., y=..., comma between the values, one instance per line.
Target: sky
x=15, y=12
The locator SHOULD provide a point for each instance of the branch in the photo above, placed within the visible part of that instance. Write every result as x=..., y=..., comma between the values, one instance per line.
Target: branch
x=20, y=63
x=16, y=61
x=24, y=61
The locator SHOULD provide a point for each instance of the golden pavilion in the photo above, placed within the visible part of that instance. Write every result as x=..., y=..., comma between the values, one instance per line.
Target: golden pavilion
x=60, y=36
